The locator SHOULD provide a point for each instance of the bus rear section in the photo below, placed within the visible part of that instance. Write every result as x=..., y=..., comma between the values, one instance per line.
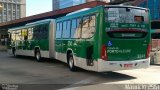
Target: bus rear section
x=125, y=39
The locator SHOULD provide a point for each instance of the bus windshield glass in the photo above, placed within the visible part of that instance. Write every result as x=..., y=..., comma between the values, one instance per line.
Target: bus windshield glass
x=126, y=17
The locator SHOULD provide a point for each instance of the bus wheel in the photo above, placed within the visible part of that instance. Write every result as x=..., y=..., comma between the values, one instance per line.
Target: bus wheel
x=38, y=56
x=71, y=63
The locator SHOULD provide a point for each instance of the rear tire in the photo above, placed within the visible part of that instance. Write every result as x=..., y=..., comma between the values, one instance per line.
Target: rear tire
x=38, y=56
x=71, y=65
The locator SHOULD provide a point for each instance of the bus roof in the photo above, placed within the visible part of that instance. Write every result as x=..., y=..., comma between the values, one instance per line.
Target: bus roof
x=16, y=28
x=125, y=6
x=32, y=24
x=80, y=13
x=39, y=22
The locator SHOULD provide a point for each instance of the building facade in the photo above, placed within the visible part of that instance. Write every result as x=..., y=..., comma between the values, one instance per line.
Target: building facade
x=153, y=5
x=12, y=9
x=60, y=4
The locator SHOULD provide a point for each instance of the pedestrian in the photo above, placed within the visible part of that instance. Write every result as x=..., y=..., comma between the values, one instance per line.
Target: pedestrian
x=2, y=41
x=5, y=40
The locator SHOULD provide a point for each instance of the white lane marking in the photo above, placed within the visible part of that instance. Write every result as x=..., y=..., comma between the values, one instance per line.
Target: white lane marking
x=79, y=84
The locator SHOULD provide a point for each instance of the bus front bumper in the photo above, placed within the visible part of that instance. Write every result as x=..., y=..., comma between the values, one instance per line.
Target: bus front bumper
x=122, y=65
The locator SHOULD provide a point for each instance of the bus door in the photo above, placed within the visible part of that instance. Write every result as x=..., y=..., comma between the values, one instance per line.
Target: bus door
x=82, y=39
x=88, y=45
x=88, y=31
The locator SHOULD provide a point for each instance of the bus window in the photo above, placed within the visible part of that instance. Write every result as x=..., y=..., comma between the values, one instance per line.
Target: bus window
x=79, y=28
x=66, y=29
x=38, y=32
x=92, y=26
x=75, y=32
x=93, y=21
x=88, y=27
x=59, y=30
x=79, y=22
x=139, y=19
x=120, y=15
x=13, y=35
x=35, y=32
x=24, y=34
x=30, y=33
x=126, y=23
x=85, y=23
x=85, y=27
x=18, y=35
x=44, y=31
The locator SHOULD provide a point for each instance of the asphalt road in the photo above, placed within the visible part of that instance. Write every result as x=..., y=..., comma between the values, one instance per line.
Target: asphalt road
x=27, y=74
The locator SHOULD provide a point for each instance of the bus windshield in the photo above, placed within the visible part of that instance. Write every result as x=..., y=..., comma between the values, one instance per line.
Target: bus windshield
x=124, y=20
x=126, y=15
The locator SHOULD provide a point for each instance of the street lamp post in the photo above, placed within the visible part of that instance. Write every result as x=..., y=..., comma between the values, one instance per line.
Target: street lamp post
x=1, y=8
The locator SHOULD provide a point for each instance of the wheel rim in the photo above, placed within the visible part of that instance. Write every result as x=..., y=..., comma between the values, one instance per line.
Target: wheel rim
x=38, y=56
x=71, y=62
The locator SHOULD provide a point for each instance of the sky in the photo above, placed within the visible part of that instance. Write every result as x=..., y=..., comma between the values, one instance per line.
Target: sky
x=38, y=6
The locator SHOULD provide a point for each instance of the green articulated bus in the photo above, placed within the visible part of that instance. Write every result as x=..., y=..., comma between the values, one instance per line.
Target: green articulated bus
x=104, y=38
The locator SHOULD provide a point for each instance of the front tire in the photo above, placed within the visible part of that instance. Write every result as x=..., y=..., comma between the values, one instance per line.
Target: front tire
x=71, y=65
x=38, y=56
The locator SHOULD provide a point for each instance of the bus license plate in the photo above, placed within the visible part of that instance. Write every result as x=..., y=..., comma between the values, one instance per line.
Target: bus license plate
x=128, y=65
